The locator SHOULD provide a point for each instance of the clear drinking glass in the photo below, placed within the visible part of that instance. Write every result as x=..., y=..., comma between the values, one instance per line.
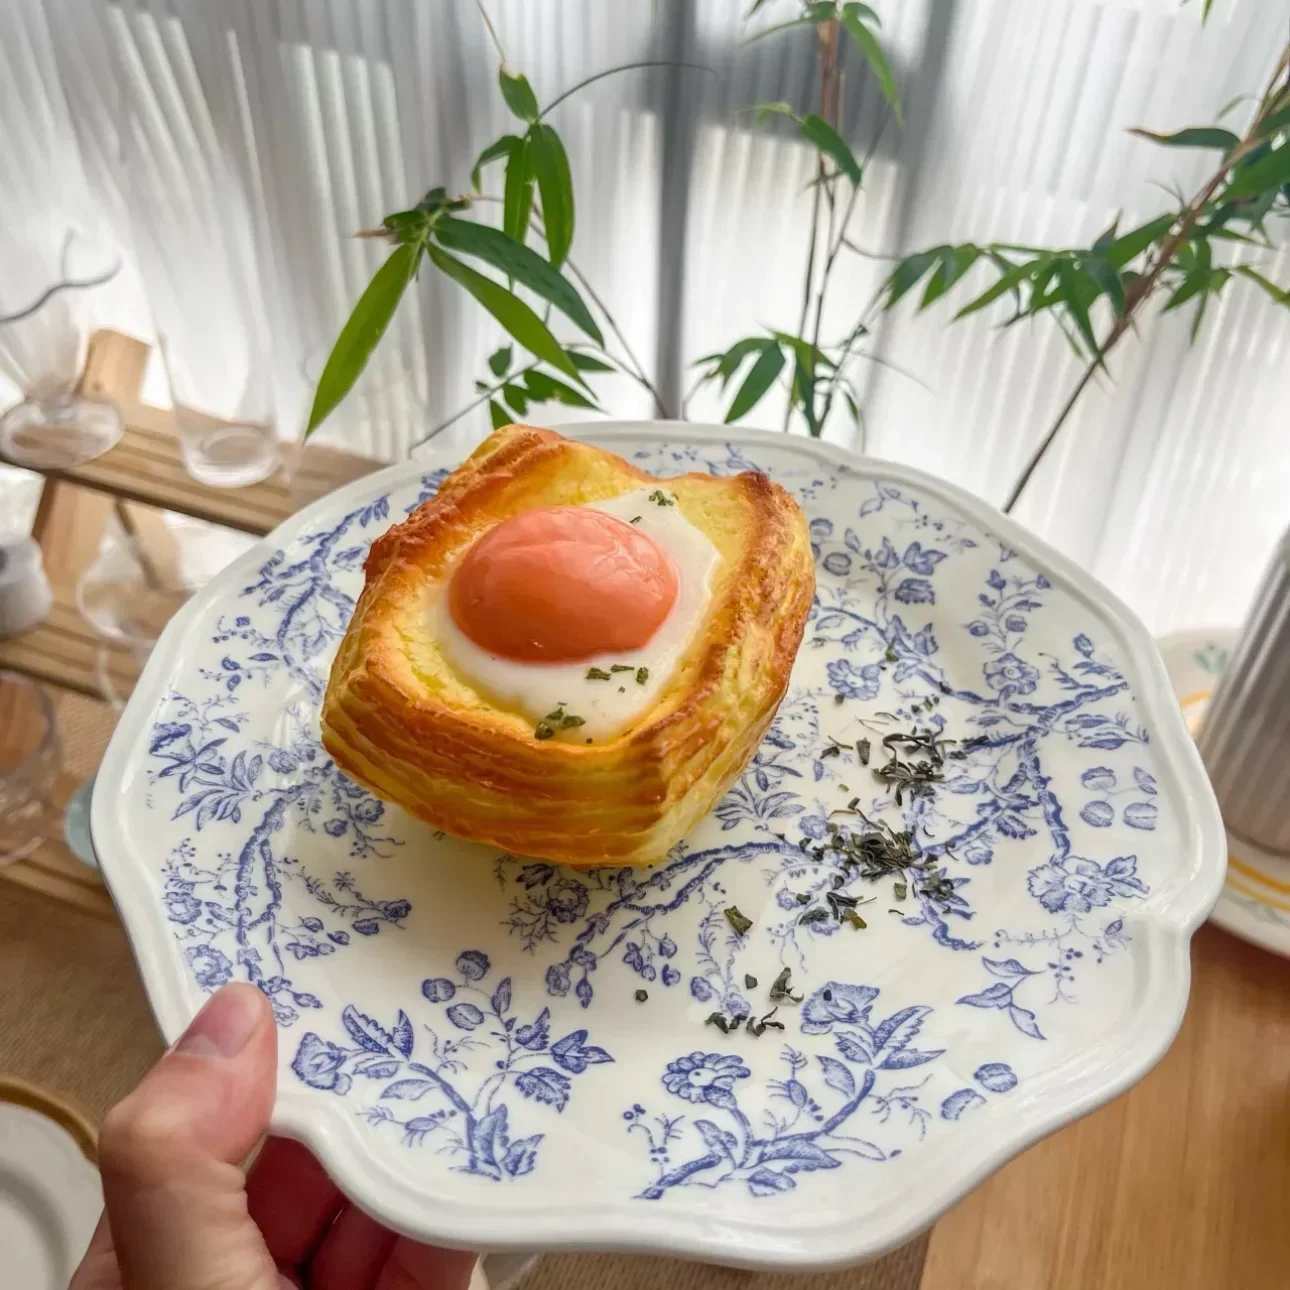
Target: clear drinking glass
x=34, y=789
x=46, y=280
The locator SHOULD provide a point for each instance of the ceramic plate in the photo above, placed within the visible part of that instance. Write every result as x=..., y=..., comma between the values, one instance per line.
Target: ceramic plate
x=461, y=1040
x=1255, y=902
x=50, y=1197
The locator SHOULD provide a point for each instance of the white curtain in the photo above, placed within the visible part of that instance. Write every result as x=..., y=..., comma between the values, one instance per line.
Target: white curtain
x=322, y=115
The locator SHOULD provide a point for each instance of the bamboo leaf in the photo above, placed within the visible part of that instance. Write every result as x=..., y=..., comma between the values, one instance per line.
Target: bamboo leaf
x=544, y=388
x=518, y=94
x=499, y=361
x=1068, y=276
x=589, y=362
x=521, y=323
x=775, y=27
x=1106, y=279
x=906, y=275
x=550, y=164
x=955, y=261
x=1270, y=125
x=818, y=131
x=1280, y=294
x=516, y=398
x=873, y=53
x=862, y=11
x=1104, y=240
x=730, y=361
x=1009, y=281
x=1268, y=173
x=521, y=263
x=1194, y=282
x=501, y=148
x=362, y=332
x=1133, y=243
x=1194, y=136
x=517, y=196
x=762, y=112
x=498, y=414
x=760, y=378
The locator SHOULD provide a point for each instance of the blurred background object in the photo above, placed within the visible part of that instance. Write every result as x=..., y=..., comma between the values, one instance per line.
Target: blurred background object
x=34, y=789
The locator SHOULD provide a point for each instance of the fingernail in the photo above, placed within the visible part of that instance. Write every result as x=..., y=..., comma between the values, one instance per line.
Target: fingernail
x=223, y=1027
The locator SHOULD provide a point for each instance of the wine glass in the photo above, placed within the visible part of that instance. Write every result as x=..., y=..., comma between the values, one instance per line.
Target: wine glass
x=34, y=788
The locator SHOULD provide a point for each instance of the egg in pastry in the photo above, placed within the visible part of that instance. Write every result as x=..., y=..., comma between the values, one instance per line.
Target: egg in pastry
x=564, y=657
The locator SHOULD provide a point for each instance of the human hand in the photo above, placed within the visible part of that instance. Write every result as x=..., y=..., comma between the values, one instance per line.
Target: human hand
x=182, y=1215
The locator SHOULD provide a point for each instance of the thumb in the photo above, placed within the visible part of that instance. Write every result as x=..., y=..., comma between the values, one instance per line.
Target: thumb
x=170, y=1153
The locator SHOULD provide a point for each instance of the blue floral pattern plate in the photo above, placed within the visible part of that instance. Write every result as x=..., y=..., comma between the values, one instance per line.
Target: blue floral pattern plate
x=496, y=1052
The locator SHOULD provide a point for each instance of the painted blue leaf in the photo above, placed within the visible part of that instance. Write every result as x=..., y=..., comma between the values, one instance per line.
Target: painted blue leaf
x=1089, y=721
x=365, y=1032
x=403, y=1034
x=995, y=996
x=800, y=1154
x=377, y=1070
x=1025, y=1021
x=894, y=1033
x=502, y=997
x=487, y=1135
x=718, y=1140
x=534, y=1037
x=855, y=1047
x=521, y=1155
x=1007, y=968
x=964, y=1100
x=907, y=1057
x=409, y=1090
x=997, y=580
x=545, y=1085
x=830, y=622
x=465, y=1016
x=998, y=1077
x=1144, y=781
x=915, y=591
x=1083, y=645
x=1104, y=742
x=167, y=732
x=767, y=1182
x=584, y=992
x=837, y=1076
x=917, y=560
x=797, y=1092
x=1101, y=779
x=1099, y=814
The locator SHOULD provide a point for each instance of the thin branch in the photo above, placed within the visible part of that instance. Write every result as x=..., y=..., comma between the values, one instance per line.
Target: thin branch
x=625, y=67
x=1141, y=289
x=492, y=31
x=68, y=284
x=470, y=407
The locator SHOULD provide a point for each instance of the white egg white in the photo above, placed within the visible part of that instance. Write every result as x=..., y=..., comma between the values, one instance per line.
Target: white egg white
x=606, y=707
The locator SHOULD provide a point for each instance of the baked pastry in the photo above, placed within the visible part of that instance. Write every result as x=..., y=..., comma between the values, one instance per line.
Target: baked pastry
x=565, y=657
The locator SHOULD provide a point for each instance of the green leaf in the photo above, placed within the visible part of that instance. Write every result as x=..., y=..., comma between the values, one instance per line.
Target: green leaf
x=362, y=332
x=1280, y=294
x=543, y=388
x=516, y=398
x=861, y=11
x=499, y=361
x=550, y=164
x=1102, y=243
x=868, y=45
x=775, y=27
x=1105, y=278
x=1196, y=281
x=816, y=130
x=760, y=378
x=501, y=148
x=1008, y=281
x=955, y=261
x=517, y=196
x=1194, y=136
x=520, y=321
x=802, y=393
x=1268, y=172
x=1276, y=121
x=735, y=355
x=1069, y=278
x=762, y=112
x=585, y=362
x=1131, y=244
x=498, y=414
x=909, y=271
x=852, y=406
x=520, y=262
x=820, y=11
x=518, y=94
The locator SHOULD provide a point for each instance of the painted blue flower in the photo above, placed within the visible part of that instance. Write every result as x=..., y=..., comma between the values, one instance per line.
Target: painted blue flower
x=814, y=826
x=557, y=979
x=1100, y=779
x=835, y=1002
x=210, y=968
x=1010, y=675
x=281, y=761
x=182, y=906
x=473, y=964
x=1074, y=885
x=700, y=989
x=438, y=989
x=465, y=1016
x=821, y=527
x=566, y=900
x=335, y=827
x=915, y=591
x=705, y=1077
x=977, y=852
x=1098, y=813
x=998, y=1077
x=1140, y=815
x=367, y=926
x=837, y=563
x=852, y=681
x=370, y=811
x=318, y=1063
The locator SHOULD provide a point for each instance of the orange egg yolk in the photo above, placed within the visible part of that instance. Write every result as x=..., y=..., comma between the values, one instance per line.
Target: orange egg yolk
x=562, y=584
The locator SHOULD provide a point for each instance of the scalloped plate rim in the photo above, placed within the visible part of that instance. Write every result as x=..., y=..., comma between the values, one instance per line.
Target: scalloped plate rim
x=743, y=1240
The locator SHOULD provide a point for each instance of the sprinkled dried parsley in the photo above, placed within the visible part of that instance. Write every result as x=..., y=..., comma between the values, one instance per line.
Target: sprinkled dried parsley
x=597, y=674
x=642, y=995
x=620, y=667
x=660, y=498
x=636, y=519
x=781, y=989
x=862, y=751
x=750, y=981
x=642, y=675
x=910, y=772
x=737, y=920
x=557, y=720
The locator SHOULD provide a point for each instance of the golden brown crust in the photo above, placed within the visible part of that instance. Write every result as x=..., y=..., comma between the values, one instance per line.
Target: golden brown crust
x=400, y=719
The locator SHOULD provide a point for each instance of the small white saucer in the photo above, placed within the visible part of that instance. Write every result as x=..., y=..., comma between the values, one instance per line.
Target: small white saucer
x=50, y=1197
x=1255, y=904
